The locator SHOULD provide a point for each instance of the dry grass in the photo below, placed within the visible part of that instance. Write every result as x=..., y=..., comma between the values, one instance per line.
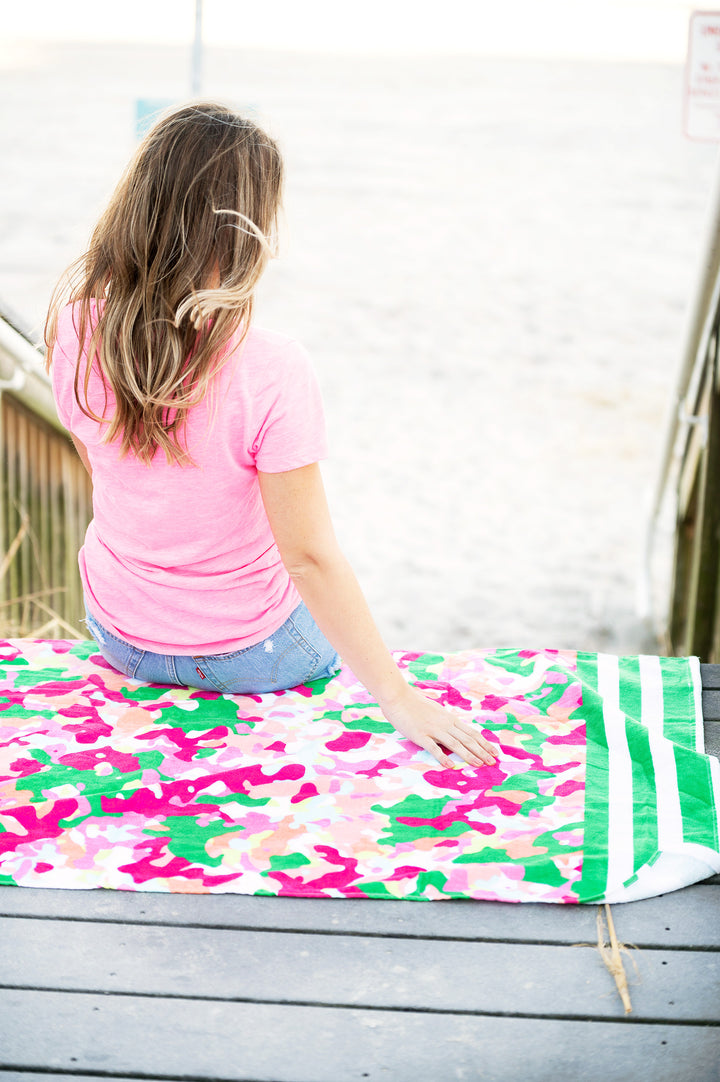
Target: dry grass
x=612, y=957
x=31, y=615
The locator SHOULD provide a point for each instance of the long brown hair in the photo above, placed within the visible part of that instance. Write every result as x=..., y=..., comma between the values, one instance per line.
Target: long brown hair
x=170, y=271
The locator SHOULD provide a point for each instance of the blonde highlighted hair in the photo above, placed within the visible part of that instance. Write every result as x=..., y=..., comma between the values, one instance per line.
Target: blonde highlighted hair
x=170, y=272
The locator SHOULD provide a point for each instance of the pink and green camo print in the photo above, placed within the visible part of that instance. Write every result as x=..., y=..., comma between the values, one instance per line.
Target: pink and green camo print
x=106, y=782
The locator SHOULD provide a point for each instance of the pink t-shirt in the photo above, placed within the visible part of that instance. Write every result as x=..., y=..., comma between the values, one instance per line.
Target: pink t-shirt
x=181, y=559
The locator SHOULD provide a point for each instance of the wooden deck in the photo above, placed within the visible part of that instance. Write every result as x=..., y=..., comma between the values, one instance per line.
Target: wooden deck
x=149, y=986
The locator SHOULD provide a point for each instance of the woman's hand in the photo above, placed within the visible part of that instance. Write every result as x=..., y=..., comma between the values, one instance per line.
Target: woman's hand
x=429, y=725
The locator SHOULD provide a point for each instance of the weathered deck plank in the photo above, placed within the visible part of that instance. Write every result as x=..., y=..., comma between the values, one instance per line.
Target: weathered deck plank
x=712, y=736
x=710, y=675
x=677, y=920
x=181, y=1039
x=351, y=971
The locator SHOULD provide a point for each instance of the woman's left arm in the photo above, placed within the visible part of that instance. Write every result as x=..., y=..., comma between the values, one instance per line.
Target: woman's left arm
x=300, y=521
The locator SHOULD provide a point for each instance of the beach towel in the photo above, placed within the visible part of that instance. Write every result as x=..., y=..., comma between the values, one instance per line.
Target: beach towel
x=601, y=790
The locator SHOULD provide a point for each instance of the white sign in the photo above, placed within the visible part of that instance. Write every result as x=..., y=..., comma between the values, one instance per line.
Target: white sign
x=702, y=77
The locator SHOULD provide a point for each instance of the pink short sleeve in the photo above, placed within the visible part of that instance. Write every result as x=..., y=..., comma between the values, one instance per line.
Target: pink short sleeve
x=290, y=419
x=62, y=371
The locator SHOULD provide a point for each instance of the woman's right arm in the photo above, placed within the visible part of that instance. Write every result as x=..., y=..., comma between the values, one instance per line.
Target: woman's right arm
x=297, y=510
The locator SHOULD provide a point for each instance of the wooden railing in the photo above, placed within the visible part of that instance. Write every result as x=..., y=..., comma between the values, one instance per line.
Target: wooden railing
x=694, y=619
x=691, y=461
x=45, y=501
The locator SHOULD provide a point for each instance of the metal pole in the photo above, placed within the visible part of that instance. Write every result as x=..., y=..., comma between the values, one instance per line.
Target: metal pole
x=196, y=80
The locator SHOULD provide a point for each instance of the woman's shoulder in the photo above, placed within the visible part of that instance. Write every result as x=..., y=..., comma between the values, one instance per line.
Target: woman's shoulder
x=265, y=344
x=271, y=355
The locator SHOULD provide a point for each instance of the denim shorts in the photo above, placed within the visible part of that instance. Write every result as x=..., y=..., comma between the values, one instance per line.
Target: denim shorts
x=294, y=654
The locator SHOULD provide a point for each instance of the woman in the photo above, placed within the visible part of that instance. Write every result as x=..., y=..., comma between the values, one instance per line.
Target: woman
x=211, y=560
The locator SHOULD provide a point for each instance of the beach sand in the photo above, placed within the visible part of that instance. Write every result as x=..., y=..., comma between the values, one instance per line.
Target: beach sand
x=490, y=262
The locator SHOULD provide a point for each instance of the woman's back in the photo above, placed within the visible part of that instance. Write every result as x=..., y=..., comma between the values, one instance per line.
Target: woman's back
x=182, y=555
